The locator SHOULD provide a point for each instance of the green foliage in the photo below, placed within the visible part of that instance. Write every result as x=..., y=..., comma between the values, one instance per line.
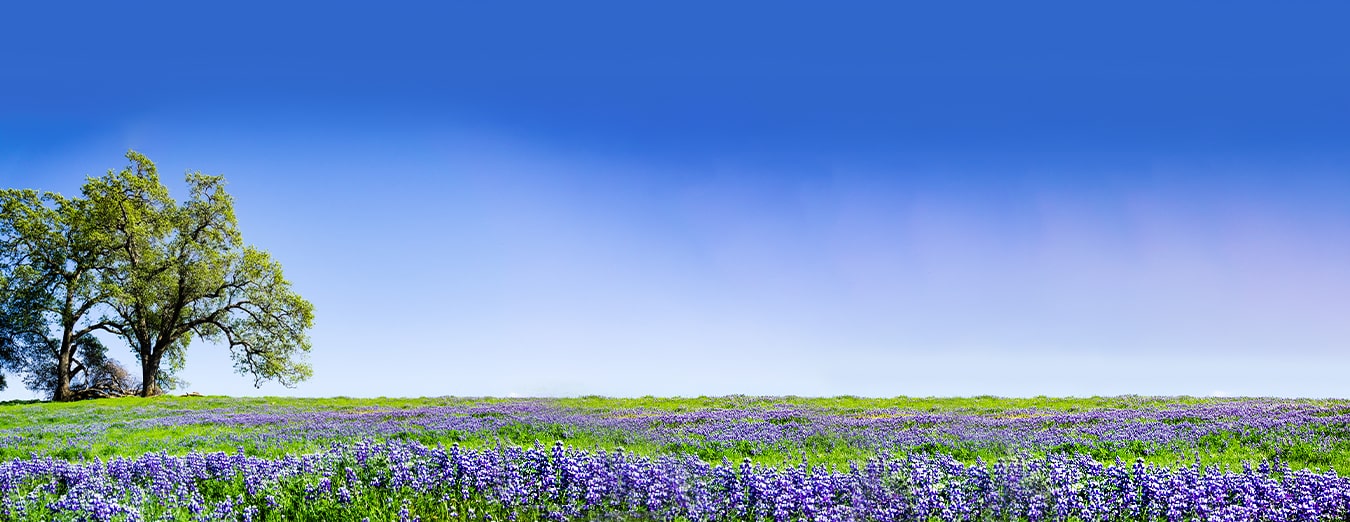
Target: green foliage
x=184, y=273
x=54, y=262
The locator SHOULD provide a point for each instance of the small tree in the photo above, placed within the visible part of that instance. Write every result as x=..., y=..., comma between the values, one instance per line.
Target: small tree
x=183, y=271
x=53, y=259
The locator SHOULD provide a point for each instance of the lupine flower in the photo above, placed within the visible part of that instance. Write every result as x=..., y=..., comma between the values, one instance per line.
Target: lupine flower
x=511, y=481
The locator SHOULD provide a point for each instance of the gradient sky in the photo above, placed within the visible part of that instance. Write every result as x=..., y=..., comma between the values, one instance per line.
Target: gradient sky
x=627, y=198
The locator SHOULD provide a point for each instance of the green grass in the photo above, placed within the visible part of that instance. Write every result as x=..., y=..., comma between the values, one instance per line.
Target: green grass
x=38, y=428
x=847, y=404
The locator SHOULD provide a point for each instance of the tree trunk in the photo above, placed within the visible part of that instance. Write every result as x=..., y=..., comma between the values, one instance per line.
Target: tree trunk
x=64, y=355
x=62, y=391
x=149, y=370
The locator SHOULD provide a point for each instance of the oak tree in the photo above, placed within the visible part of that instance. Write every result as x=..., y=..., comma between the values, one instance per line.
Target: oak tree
x=182, y=272
x=53, y=260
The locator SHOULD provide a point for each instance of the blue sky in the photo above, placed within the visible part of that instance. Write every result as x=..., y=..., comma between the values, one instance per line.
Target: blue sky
x=628, y=199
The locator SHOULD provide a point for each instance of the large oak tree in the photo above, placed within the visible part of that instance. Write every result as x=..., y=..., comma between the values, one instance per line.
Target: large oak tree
x=183, y=272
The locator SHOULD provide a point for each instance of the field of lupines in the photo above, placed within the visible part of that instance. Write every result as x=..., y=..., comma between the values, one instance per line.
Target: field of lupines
x=727, y=458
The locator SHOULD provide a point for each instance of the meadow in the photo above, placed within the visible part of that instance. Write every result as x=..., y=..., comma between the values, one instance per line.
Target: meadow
x=707, y=458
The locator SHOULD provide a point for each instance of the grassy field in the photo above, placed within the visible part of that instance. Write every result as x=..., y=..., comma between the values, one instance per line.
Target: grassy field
x=175, y=425
x=680, y=459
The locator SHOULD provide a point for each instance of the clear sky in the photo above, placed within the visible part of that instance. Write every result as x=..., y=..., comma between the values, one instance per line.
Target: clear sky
x=689, y=198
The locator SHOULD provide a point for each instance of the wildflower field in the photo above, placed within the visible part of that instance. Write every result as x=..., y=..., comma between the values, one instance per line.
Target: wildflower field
x=725, y=458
